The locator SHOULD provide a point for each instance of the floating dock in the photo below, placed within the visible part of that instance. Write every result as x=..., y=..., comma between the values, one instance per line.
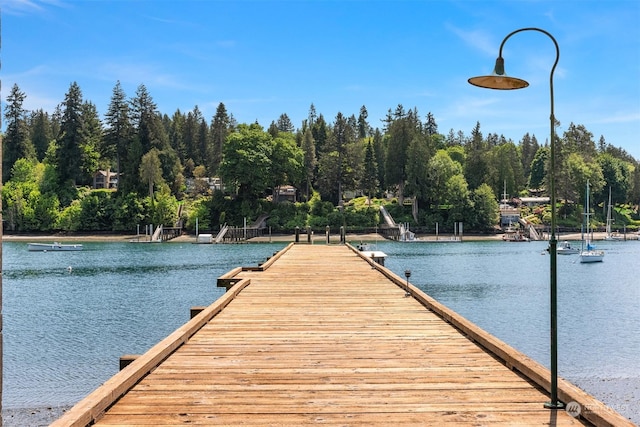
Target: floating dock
x=320, y=334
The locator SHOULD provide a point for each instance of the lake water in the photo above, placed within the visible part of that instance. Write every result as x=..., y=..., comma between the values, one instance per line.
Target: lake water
x=64, y=330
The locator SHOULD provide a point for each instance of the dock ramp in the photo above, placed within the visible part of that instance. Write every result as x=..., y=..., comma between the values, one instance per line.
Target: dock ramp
x=220, y=236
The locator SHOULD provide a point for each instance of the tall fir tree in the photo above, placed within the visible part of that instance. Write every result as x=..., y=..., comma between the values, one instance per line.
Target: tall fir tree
x=476, y=165
x=364, y=129
x=370, y=177
x=41, y=132
x=71, y=138
x=17, y=142
x=119, y=132
x=220, y=130
x=309, y=150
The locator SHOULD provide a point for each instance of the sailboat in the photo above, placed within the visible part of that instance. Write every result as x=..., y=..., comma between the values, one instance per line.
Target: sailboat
x=611, y=235
x=589, y=253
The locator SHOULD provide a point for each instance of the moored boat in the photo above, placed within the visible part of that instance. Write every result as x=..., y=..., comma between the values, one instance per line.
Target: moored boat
x=611, y=235
x=589, y=253
x=565, y=248
x=55, y=246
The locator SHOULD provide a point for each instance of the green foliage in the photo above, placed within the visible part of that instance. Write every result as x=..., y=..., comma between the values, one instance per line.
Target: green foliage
x=130, y=212
x=200, y=211
x=69, y=219
x=247, y=161
x=49, y=160
x=287, y=216
x=366, y=217
x=485, y=211
x=97, y=211
x=400, y=213
x=164, y=208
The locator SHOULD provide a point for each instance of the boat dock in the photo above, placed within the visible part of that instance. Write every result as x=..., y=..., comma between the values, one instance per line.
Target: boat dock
x=320, y=334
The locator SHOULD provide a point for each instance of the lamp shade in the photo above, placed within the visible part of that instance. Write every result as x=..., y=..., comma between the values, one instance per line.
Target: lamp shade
x=501, y=82
x=498, y=79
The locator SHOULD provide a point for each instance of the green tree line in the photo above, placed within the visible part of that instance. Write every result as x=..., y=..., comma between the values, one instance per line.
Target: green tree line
x=161, y=162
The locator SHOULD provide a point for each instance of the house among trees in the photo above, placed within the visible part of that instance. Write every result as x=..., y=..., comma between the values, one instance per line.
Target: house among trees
x=285, y=193
x=203, y=185
x=105, y=179
x=534, y=201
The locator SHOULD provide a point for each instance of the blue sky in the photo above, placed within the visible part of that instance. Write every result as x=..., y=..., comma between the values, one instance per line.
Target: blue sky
x=265, y=58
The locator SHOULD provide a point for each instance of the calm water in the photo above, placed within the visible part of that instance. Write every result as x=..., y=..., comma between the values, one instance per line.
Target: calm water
x=65, y=331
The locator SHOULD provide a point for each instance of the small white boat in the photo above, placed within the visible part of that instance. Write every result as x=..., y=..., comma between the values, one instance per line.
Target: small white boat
x=565, y=248
x=589, y=253
x=55, y=246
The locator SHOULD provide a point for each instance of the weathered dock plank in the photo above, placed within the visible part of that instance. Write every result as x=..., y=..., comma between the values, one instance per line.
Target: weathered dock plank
x=318, y=336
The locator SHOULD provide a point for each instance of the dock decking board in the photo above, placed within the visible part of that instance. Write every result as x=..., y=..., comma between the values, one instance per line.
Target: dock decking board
x=320, y=337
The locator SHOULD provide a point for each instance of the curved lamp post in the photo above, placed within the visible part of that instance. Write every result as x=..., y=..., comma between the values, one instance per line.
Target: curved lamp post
x=499, y=80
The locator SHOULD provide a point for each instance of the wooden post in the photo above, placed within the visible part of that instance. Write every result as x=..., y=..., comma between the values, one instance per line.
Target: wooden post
x=194, y=311
x=127, y=359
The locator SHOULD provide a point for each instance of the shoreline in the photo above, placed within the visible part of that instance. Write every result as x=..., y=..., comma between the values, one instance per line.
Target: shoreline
x=316, y=238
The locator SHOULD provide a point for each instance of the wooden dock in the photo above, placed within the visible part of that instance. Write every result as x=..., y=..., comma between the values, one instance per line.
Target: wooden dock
x=320, y=335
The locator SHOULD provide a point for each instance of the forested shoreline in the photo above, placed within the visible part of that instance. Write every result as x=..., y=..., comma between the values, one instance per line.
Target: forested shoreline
x=340, y=170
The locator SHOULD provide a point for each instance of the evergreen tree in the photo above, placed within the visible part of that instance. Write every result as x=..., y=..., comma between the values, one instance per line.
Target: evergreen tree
x=476, y=166
x=284, y=124
x=320, y=134
x=118, y=133
x=401, y=132
x=273, y=129
x=191, y=137
x=176, y=137
x=203, y=141
x=91, y=141
x=379, y=150
x=504, y=167
x=431, y=127
x=341, y=133
x=418, y=155
x=41, y=132
x=71, y=138
x=576, y=139
x=370, y=177
x=538, y=168
x=312, y=115
x=528, y=148
x=618, y=175
x=17, y=139
x=364, y=129
x=149, y=133
x=220, y=129
x=309, y=150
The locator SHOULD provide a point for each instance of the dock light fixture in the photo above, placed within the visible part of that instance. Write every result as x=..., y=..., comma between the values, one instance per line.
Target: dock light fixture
x=407, y=274
x=499, y=80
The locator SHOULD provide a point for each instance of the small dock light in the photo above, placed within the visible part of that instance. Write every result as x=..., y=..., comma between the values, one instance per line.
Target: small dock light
x=407, y=274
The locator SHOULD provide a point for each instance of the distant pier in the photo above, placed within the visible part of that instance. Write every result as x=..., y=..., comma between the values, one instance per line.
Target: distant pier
x=320, y=334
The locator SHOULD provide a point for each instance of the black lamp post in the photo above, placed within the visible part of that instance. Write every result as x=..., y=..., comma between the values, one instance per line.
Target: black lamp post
x=499, y=80
x=407, y=274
